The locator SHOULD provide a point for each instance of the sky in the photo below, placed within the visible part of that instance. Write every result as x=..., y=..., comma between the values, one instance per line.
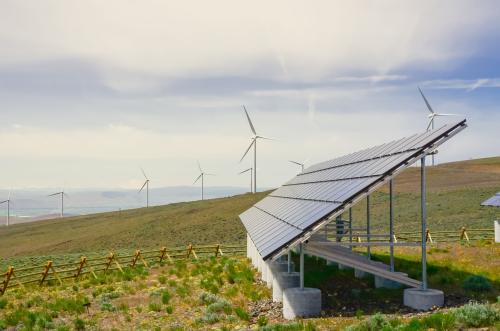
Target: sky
x=90, y=91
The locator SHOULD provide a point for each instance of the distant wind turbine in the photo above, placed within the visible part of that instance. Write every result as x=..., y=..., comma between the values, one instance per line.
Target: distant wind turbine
x=251, y=177
x=202, y=176
x=62, y=200
x=254, y=144
x=432, y=116
x=8, y=208
x=146, y=184
x=301, y=164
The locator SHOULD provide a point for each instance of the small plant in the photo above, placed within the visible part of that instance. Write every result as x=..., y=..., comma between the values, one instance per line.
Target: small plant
x=169, y=309
x=79, y=324
x=153, y=306
x=107, y=306
x=162, y=279
x=477, y=315
x=221, y=305
x=3, y=303
x=241, y=313
x=165, y=297
x=476, y=283
x=262, y=320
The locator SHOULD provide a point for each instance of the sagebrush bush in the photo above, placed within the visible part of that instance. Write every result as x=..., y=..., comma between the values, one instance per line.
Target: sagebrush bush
x=476, y=283
x=3, y=303
x=476, y=315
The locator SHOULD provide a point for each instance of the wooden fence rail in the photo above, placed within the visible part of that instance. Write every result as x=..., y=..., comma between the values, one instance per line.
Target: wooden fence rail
x=49, y=271
x=462, y=235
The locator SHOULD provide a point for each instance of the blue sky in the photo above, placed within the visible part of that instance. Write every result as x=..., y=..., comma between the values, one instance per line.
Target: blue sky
x=91, y=90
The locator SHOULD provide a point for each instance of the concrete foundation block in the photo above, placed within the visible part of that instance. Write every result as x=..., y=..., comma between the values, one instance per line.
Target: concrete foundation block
x=381, y=282
x=299, y=302
x=497, y=231
x=282, y=281
x=360, y=273
x=267, y=275
x=423, y=300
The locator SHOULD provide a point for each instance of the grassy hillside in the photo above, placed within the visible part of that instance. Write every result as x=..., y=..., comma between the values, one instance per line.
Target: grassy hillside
x=455, y=192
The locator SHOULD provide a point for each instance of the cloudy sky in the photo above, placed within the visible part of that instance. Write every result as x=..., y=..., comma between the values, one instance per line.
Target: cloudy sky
x=92, y=90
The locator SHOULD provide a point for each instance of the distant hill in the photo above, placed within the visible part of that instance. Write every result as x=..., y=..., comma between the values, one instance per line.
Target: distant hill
x=455, y=191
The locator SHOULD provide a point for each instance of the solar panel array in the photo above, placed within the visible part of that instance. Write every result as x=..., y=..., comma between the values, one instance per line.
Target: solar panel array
x=324, y=188
x=494, y=201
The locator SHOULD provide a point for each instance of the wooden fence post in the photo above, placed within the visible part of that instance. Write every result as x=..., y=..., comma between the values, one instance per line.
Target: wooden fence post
x=136, y=257
x=189, y=249
x=5, y=282
x=83, y=260
x=428, y=237
x=217, y=248
x=463, y=234
x=394, y=238
x=45, y=271
x=110, y=260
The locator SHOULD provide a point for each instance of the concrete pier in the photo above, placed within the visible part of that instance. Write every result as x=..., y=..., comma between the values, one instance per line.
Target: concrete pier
x=497, y=231
x=305, y=302
x=283, y=281
x=423, y=299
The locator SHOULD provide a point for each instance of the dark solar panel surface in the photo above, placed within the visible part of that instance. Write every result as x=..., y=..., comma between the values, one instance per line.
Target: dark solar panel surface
x=324, y=188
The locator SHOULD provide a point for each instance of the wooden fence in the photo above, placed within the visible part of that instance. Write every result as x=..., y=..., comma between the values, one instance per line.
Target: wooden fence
x=52, y=272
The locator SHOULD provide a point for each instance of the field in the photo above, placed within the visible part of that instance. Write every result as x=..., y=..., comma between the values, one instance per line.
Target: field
x=455, y=191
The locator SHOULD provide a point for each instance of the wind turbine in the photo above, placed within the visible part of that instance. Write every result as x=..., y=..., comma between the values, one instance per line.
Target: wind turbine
x=62, y=200
x=251, y=177
x=432, y=116
x=254, y=144
x=301, y=164
x=202, y=176
x=8, y=208
x=146, y=183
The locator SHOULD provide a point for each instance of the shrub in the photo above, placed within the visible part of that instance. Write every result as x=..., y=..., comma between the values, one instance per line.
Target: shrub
x=374, y=323
x=262, y=321
x=162, y=279
x=3, y=303
x=170, y=309
x=221, y=305
x=289, y=327
x=210, y=318
x=165, y=297
x=107, y=306
x=79, y=324
x=476, y=315
x=476, y=283
x=242, y=314
x=153, y=306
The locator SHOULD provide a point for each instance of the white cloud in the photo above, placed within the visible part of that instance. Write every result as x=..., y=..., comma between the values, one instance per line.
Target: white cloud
x=467, y=84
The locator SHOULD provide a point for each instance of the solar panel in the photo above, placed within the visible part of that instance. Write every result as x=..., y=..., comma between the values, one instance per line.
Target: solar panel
x=494, y=201
x=300, y=207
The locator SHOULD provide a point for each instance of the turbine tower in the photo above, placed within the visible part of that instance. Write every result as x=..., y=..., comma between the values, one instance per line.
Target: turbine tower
x=431, y=117
x=202, y=176
x=8, y=208
x=146, y=184
x=299, y=164
x=62, y=200
x=251, y=177
x=254, y=144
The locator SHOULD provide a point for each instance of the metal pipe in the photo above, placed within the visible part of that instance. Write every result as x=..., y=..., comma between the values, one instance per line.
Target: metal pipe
x=301, y=266
x=424, y=223
x=391, y=222
x=368, y=226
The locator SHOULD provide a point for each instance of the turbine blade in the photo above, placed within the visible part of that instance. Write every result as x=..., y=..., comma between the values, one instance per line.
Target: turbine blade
x=2, y=202
x=198, y=178
x=249, y=121
x=143, y=173
x=426, y=102
x=199, y=166
x=51, y=195
x=266, y=138
x=247, y=170
x=297, y=163
x=246, y=152
x=143, y=186
x=429, y=125
x=207, y=174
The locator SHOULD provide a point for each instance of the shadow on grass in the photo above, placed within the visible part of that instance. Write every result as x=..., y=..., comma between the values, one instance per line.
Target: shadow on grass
x=345, y=295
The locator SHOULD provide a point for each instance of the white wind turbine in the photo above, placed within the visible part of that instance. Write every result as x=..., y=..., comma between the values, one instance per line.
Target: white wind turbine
x=254, y=144
x=62, y=199
x=251, y=177
x=202, y=176
x=432, y=116
x=8, y=208
x=300, y=164
x=146, y=184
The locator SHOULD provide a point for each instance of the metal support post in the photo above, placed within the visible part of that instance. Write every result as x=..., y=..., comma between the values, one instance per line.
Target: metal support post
x=424, y=223
x=350, y=228
x=301, y=266
x=391, y=222
x=289, y=261
x=368, y=226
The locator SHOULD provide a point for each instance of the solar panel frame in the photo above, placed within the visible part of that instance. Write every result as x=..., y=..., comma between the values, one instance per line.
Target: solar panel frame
x=326, y=189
